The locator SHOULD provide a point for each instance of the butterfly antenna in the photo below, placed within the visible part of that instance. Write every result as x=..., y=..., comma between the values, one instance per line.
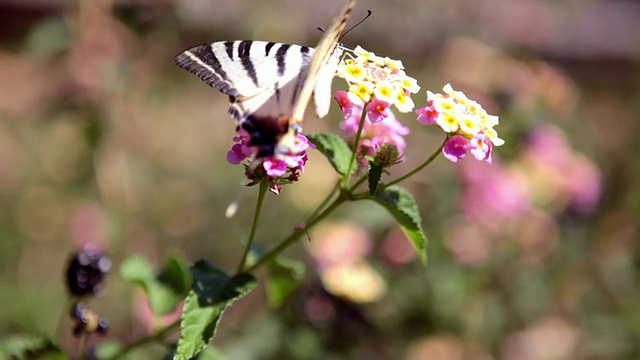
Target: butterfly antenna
x=351, y=28
x=356, y=25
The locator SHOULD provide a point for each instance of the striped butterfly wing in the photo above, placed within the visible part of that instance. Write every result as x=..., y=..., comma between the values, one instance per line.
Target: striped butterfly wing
x=261, y=78
x=269, y=84
x=319, y=77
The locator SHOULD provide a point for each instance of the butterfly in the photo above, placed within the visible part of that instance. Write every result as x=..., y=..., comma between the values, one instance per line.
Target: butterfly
x=269, y=84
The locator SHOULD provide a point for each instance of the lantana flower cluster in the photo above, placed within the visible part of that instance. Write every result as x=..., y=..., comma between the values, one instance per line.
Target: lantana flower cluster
x=375, y=84
x=469, y=126
x=378, y=82
x=375, y=134
x=278, y=169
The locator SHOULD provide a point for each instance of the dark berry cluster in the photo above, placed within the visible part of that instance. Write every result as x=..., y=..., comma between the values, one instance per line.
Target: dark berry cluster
x=87, y=321
x=86, y=271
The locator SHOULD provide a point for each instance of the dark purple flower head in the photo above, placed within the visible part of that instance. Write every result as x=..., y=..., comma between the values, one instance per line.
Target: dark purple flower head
x=86, y=271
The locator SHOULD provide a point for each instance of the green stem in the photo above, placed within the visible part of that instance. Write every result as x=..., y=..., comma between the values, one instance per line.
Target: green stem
x=160, y=335
x=295, y=235
x=419, y=168
x=355, y=147
x=254, y=224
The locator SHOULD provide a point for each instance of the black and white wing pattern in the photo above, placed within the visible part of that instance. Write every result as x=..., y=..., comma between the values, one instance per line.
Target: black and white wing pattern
x=270, y=84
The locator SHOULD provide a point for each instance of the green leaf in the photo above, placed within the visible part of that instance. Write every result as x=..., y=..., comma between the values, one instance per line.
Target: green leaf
x=23, y=347
x=375, y=173
x=402, y=206
x=285, y=276
x=164, y=289
x=212, y=292
x=334, y=148
x=208, y=353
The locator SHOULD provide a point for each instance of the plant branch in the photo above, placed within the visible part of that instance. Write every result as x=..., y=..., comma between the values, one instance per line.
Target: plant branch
x=295, y=235
x=254, y=224
x=159, y=335
x=419, y=168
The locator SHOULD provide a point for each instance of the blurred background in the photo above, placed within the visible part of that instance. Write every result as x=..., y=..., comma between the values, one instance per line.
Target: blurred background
x=104, y=141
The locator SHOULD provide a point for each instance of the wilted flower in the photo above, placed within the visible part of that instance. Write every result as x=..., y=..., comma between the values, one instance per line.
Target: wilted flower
x=467, y=123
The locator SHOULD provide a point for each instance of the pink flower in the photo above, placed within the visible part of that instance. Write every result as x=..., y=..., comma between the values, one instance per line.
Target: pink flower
x=377, y=110
x=427, y=115
x=241, y=150
x=345, y=103
x=480, y=147
x=278, y=169
x=278, y=166
x=492, y=193
x=455, y=148
x=275, y=167
x=569, y=172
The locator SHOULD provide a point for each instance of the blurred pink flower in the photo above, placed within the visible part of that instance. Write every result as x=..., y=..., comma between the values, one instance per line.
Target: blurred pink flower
x=396, y=249
x=492, y=193
x=146, y=317
x=89, y=225
x=548, y=338
x=338, y=244
x=568, y=174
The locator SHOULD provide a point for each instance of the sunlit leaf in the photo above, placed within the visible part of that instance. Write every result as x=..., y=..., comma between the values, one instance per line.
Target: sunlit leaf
x=402, y=206
x=212, y=292
x=334, y=148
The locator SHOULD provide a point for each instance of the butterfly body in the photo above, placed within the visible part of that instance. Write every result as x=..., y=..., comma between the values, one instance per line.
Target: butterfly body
x=269, y=84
